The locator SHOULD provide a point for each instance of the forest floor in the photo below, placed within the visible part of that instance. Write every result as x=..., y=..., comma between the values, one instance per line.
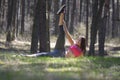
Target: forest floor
x=15, y=67
x=18, y=46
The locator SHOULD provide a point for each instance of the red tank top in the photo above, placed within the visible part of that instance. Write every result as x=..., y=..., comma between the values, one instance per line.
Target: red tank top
x=76, y=50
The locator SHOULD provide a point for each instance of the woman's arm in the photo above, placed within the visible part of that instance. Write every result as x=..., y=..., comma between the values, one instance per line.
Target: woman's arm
x=67, y=33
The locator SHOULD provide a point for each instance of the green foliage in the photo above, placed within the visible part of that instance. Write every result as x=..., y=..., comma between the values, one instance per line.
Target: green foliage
x=15, y=67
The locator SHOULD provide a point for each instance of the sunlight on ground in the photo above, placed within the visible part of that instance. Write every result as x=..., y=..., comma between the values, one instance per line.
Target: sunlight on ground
x=115, y=53
x=73, y=69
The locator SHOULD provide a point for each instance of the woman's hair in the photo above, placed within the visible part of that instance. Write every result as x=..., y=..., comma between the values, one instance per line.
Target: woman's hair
x=83, y=44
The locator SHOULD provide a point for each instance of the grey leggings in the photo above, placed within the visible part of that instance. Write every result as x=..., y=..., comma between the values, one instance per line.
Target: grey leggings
x=61, y=39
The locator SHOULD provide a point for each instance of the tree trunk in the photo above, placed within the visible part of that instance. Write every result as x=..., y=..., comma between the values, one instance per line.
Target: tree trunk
x=43, y=35
x=0, y=4
x=113, y=19
x=17, y=18
x=36, y=28
x=22, y=18
x=102, y=29
x=48, y=6
x=14, y=20
x=81, y=1
x=87, y=23
x=0, y=16
x=40, y=31
x=67, y=12
x=55, y=16
x=72, y=16
x=97, y=13
x=118, y=19
x=93, y=32
x=9, y=21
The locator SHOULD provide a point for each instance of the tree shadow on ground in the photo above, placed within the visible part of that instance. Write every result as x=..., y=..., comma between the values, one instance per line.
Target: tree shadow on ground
x=106, y=62
x=110, y=50
x=13, y=48
x=8, y=50
x=25, y=48
x=115, y=48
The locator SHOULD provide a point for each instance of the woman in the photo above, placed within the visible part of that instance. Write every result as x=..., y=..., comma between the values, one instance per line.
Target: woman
x=77, y=47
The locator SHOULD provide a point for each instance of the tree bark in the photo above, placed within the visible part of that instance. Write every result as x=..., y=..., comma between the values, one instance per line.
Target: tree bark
x=22, y=16
x=43, y=35
x=97, y=14
x=67, y=12
x=81, y=1
x=55, y=17
x=87, y=22
x=93, y=32
x=36, y=28
x=102, y=28
x=113, y=19
x=72, y=16
x=9, y=21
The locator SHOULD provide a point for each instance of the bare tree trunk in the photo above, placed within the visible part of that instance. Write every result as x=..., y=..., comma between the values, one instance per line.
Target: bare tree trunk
x=14, y=20
x=0, y=16
x=97, y=14
x=113, y=19
x=4, y=15
x=17, y=18
x=48, y=6
x=72, y=16
x=102, y=29
x=44, y=36
x=0, y=3
x=67, y=12
x=118, y=19
x=81, y=1
x=55, y=17
x=35, y=30
x=22, y=18
x=9, y=21
x=87, y=23
x=93, y=32
x=28, y=5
